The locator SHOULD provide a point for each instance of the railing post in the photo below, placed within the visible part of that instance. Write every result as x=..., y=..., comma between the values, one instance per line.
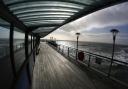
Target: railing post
x=76, y=53
x=110, y=67
x=68, y=51
x=58, y=47
x=63, y=49
x=89, y=60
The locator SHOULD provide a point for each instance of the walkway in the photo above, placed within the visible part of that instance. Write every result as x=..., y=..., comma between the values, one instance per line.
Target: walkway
x=53, y=71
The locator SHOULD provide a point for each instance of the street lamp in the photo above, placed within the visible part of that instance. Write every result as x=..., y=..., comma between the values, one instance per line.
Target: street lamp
x=114, y=33
x=77, y=34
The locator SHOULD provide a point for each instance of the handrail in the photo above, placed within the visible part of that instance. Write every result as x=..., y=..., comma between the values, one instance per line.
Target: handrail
x=93, y=54
x=120, y=65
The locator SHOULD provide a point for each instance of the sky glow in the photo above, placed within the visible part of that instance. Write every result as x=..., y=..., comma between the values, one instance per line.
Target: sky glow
x=96, y=26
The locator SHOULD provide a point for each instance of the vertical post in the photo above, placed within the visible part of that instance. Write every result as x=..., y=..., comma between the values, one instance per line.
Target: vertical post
x=26, y=45
x=12, y=49
x=36, y=44
x=77, y=34
x=27, y=56
x=34, y=52
x=31, y=43
x=59, y=47
x=114, y=33
x=68, y=51
x=89, y=60
x=33, y=48
x=77, y=47
x=63, y=49
x=113, y=48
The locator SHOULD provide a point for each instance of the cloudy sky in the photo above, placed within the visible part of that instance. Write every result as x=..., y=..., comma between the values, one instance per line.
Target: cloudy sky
x=96, y=26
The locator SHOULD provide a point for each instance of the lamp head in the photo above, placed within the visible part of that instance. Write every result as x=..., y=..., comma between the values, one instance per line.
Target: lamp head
x=77, y=34
x=114, y=31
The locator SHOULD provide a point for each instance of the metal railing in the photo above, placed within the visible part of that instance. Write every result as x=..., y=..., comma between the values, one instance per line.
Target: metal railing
x=99, y=63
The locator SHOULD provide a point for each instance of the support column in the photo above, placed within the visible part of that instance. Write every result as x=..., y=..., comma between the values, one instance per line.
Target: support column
x=27, y=55
x=12, y=49
x=31, y=44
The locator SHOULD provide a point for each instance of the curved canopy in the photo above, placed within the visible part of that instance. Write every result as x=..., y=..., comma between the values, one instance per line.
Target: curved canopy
x=44, y=16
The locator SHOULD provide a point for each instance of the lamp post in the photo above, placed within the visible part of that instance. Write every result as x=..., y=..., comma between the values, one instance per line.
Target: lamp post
x=77, y=34
x=114, y=33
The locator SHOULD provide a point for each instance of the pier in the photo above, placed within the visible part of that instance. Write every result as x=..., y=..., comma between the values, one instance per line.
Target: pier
x=27, y=62
x=54, y=71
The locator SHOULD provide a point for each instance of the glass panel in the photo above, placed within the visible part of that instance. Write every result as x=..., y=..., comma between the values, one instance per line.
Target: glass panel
x=49, y=16
x=44, y=9
x=44, y=18
x=43, y=34
x=40, y=22
x=12, y=1
x=45, y=4
x=19, y=48
x=4, y=38
x=43, y=29
x=6, y=74
x=73, y=1
x=86, y=1
x=44, y=13
x=48, y=21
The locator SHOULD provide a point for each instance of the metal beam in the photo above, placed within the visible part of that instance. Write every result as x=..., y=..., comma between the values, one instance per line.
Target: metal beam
x=9, y=17
x=68, y=1
x=22, y=13
x=32, y=28
x=44, y=7
x=41, y=19
x=40, y=13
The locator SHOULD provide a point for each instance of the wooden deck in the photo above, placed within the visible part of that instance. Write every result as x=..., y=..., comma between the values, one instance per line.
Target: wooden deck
x=53, y=71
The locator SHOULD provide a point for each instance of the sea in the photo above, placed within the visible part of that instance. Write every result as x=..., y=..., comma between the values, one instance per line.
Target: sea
x=104, y=49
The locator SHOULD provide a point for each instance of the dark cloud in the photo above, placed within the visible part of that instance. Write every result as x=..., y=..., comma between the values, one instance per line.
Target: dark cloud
x=112, y=16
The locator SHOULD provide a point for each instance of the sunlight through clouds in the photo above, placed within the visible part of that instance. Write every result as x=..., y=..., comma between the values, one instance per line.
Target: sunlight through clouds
x=97, y=26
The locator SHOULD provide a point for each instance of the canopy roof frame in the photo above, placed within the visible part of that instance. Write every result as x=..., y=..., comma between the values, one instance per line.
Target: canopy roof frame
x=13, y=18
x=70, y=1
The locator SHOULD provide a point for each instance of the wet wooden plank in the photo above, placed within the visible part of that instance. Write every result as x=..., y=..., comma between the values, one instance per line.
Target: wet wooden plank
x=53, y=71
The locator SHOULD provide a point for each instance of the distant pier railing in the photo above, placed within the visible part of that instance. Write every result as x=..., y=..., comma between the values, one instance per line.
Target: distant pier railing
x=101, y=64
